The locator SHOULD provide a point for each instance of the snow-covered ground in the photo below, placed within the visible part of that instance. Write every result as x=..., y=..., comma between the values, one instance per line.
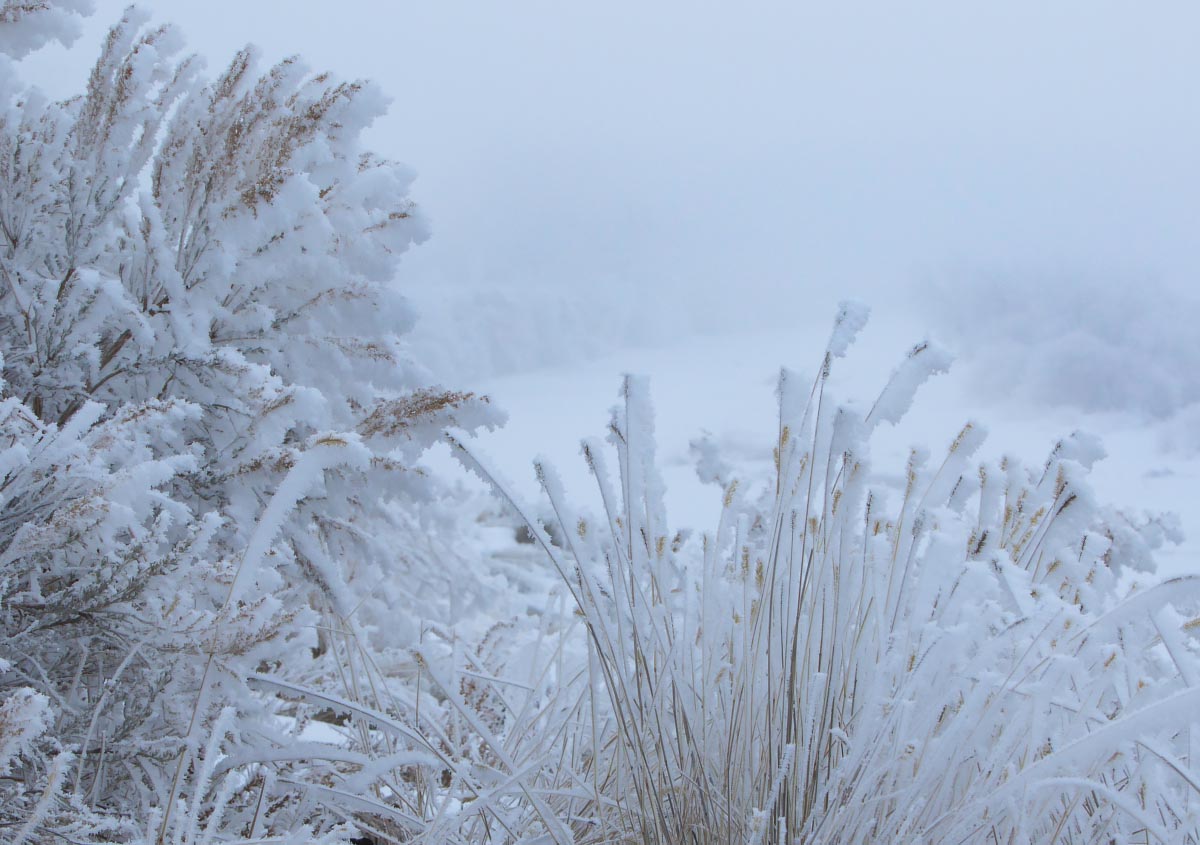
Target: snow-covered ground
x=723, y=385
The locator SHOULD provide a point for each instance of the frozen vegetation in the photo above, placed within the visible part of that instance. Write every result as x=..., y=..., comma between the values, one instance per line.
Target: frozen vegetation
x=239, y=603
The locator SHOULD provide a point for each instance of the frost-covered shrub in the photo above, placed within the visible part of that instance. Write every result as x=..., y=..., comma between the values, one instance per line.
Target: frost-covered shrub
x=960, y=659
x=208, y=428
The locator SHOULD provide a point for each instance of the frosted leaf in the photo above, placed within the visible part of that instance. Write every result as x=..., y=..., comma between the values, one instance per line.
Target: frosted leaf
x=711, y=468
x=1082, y=447
x=1135, y=537
x=24, y=716
x=923, y=361
x=325, y=451
x=851, y=317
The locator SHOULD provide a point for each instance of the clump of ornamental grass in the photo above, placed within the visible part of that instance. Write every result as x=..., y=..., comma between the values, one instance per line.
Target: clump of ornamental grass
x=842, y=661
x=964, y=656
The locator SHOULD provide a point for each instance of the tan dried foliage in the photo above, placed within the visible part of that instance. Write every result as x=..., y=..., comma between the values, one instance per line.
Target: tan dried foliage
x=396, y=417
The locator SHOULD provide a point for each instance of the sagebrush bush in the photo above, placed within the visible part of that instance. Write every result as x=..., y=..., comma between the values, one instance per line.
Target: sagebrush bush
x=200, y=374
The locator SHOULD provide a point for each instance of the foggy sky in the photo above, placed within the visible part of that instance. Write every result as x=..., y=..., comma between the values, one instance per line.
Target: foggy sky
x=768, y=148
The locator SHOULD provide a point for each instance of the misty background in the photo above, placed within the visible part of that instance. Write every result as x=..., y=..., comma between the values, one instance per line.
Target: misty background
x=1019, y=179
x=778, y=149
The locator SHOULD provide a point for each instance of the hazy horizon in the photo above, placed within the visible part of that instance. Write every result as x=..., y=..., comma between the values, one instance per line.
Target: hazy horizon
x=795, y=153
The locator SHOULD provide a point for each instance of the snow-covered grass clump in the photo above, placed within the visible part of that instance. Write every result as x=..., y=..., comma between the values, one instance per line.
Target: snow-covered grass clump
x=958, y=660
